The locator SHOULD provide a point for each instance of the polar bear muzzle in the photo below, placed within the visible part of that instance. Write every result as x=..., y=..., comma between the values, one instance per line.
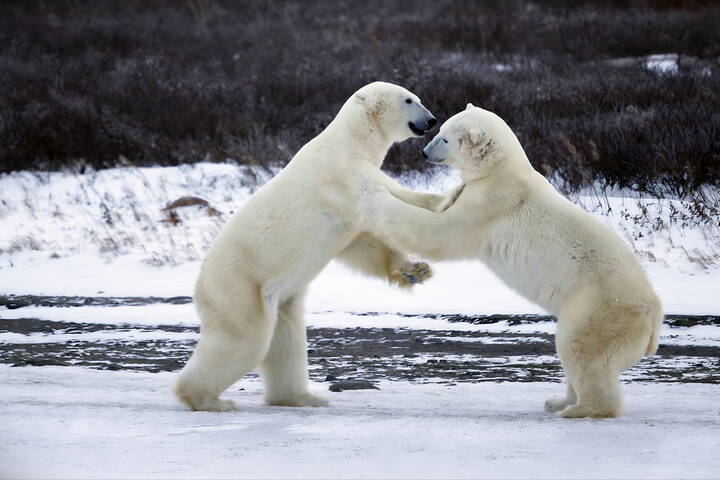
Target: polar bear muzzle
x=421, y=129
x=436, y=151
x=421, y=120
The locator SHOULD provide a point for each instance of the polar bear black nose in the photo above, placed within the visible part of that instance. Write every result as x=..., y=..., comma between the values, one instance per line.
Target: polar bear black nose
x=431, y=123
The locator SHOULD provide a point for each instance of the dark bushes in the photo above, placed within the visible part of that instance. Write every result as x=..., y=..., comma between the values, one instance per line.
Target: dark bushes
x=102, y=82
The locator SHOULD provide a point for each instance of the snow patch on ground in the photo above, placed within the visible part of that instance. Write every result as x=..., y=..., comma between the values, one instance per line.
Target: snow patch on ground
x=101, y=233
x=71, y=422
x=666, y=63
x=119, y=210
x=457, y=287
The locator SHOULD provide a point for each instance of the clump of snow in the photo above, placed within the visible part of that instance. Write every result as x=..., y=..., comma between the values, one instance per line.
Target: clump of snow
x=663, y=63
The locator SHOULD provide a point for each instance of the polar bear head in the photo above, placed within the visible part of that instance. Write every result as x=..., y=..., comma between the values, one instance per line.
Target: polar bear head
x=476, y=142
x=396, y=112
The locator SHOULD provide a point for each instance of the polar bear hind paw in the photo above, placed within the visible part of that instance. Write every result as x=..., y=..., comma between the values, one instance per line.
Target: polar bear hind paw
x=556, y=404
x=306, y=400
x=579, y=411
x=214, y=405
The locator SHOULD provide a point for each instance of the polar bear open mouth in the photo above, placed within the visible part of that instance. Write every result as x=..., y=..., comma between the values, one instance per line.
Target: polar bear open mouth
x=417, y=131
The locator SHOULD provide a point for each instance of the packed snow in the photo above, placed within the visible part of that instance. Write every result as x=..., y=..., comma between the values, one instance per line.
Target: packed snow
x=103, y=233
x=106, y=234
x=456, y=287
x=62, y=422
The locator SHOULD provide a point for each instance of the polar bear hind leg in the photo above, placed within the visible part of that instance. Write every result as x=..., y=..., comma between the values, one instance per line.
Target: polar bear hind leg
x=284, y=369
x=594, y=348
x=560, y=403
x=598, y=393
x=233, y=341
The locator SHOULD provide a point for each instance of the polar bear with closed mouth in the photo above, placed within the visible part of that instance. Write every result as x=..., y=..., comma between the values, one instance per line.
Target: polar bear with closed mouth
x=549, y=250
x=252, y=282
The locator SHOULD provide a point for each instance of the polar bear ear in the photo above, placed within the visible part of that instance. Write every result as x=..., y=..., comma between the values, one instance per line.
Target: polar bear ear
x=469, y=106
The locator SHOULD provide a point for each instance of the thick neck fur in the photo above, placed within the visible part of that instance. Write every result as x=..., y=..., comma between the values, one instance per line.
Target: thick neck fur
x=506, y=159
x=360, y=133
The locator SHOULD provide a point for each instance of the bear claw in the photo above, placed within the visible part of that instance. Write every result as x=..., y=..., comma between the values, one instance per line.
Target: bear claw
x=410, y=278
x=411, y=274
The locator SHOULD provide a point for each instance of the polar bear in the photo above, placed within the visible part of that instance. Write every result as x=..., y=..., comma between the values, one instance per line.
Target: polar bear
x=546, y=248
x=250, y=290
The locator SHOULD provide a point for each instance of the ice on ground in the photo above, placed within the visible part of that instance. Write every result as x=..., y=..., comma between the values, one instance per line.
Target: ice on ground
x=70, y=422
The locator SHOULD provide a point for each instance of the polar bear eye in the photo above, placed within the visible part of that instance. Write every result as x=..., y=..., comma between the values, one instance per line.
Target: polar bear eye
x=407, y=100
x=445, y=140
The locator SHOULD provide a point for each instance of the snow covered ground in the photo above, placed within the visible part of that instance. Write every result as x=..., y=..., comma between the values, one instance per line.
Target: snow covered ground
x=63, y=422
x=103, y=233
x=457, y=287
x=456, y=399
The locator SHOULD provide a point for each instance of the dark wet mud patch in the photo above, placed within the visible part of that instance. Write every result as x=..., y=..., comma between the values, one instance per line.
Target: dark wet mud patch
x=28, y=326
x=19, y=301
x=12, y=302
x=350, y=354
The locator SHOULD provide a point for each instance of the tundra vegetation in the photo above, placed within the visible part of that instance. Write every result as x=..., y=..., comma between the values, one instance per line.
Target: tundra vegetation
x=604, y=95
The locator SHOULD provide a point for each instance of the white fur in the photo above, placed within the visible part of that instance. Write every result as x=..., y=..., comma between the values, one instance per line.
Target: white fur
x=549, y=250
x=250, y=291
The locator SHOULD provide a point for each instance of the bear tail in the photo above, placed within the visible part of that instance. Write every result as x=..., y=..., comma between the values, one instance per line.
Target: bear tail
x=655, y=335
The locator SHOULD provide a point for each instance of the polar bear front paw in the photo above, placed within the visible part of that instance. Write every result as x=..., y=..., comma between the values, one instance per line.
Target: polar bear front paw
x=411, y=274
x=305, y=400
